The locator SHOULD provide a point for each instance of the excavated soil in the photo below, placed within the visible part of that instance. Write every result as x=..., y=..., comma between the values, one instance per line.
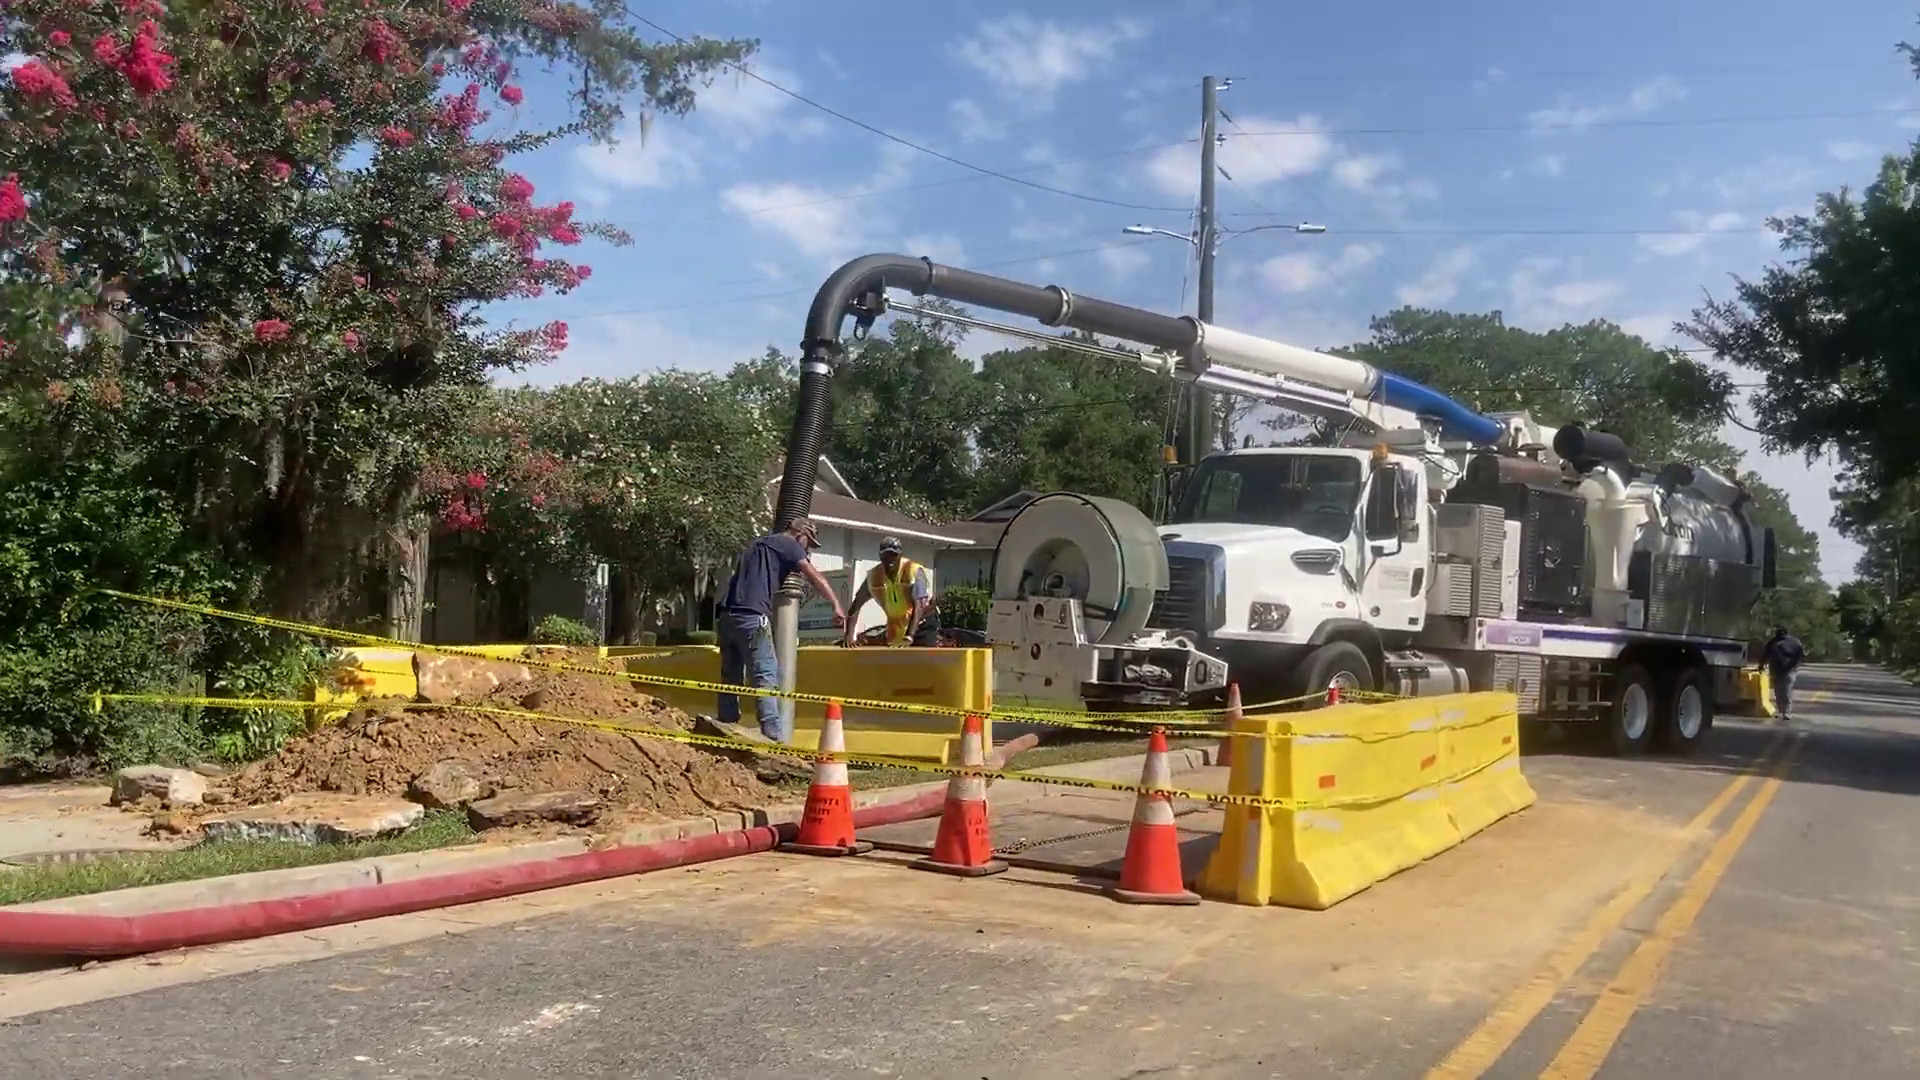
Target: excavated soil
x=378, y=750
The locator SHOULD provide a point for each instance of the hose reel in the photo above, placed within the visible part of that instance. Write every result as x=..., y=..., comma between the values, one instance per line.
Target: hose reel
x=1101, y=552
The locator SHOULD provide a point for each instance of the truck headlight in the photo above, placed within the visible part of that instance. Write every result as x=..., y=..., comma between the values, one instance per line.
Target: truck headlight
x=1264, y=617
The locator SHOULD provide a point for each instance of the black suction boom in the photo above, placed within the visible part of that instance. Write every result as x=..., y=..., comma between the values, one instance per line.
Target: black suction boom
x=1587, y=450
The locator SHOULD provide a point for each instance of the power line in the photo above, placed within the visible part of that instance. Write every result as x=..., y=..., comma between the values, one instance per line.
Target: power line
x=875, y=193
x=1642, y=122
x=1495, y=73
x=909, y=143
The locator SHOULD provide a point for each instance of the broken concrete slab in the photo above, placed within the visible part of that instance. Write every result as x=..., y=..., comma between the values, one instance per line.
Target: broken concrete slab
x=174, y=787
x=446, y=785
x=444, y=678
x=317, y=818
x=524, y=807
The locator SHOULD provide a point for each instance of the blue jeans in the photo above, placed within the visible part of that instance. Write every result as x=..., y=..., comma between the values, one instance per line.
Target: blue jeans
x=747, y=659
x=1782, y=690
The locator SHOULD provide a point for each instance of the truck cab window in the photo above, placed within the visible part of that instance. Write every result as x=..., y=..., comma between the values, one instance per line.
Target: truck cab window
x=1313, y=493
x=1381, y=523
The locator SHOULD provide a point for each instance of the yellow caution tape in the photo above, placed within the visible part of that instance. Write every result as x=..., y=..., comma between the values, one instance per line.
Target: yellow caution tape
x=1181, y=718
x=100, y=699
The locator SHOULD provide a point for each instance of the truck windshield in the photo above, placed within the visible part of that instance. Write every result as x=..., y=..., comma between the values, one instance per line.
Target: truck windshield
x=1315, y=494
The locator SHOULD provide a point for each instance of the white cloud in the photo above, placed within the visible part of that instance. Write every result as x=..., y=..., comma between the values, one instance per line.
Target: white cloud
x=1123, y=261
x=1441, y=282
x=1367, y=173
x=612, y=346
x=1494, y=77
x=1547, y=305
x=13, y=60
x=1299, y=272
x=1028, y=58
x=1548, y=165
x=1691, y=234
x=1640, y=101
x=1767, y=179
x=1851, y=151
x=1252, y=160
x=814, y=221
x=943, y=248
x=971, y=122
x=734, y=113
x=1655, y=330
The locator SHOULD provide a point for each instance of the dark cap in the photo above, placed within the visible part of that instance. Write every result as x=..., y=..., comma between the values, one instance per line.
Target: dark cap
x=890, y=544
x=804, y=526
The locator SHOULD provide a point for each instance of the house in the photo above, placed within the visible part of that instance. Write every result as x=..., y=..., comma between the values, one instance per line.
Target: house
x=460, y=611
x=972, y=564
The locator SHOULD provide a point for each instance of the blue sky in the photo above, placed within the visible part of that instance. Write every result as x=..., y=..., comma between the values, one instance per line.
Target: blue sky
x=1461, y=156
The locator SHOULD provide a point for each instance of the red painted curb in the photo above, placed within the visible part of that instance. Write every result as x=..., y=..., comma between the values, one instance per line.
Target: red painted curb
x=51, y=933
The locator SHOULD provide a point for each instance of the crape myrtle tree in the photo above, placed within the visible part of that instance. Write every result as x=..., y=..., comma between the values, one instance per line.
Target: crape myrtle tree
x=244, y=253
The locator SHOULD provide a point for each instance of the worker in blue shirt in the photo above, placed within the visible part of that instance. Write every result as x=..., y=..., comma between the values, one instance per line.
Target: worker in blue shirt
x=745, y=620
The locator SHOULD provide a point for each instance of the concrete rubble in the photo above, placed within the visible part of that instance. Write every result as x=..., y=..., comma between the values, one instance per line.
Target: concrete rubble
x=317, y=818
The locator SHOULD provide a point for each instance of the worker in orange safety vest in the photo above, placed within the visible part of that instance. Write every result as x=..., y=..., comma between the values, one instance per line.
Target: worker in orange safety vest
x=904, y=591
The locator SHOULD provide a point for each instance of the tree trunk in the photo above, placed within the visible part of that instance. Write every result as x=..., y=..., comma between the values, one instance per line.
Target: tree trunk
x=629, y=607
x=408, y=553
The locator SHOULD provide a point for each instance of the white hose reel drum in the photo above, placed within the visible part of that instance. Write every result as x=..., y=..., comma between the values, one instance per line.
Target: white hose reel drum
x=1101, y=552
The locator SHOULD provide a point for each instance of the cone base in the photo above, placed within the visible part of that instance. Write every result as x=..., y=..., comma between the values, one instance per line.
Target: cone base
x=1182, y=898
x=858, y=847
x=991, y=866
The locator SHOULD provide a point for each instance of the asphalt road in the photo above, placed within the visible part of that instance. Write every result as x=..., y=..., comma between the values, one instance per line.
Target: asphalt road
x=1750, y=913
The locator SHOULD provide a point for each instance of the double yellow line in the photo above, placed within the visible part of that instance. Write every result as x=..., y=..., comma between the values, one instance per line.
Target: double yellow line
x=1586, y=1050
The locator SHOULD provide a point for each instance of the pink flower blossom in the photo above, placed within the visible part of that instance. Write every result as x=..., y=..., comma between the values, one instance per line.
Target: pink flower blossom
x=565, y=234
x=379, y=42
x=554, y=336
x=271, y=330
x=13, y=205
x=506, y=225
x=106, y=49
x=315, y=7
x=477, y=480
x=516, y=188
x=512, y=94
x=38, y=82
x=59, y=39
x=359, y=281
x=397, y=136
x=350, y=339
x=458, y=6
x=281, y=170
x=466, y=212
x=583, y=271
x=144, y=63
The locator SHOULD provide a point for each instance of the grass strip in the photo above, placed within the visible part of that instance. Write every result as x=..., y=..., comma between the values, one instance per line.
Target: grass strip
x=216, y=858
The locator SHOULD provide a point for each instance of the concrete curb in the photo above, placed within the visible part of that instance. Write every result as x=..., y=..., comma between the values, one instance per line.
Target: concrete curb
x=387, y=869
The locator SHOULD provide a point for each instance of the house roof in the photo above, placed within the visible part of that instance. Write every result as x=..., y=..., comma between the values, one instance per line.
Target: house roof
x=848, y=513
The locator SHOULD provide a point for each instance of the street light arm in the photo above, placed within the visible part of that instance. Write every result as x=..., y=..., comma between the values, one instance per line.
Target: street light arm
x=1305, y=228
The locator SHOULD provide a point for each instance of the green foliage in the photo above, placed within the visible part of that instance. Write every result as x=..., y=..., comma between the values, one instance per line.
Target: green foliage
x=965, y=606
x=903, y=410
x=560, y=630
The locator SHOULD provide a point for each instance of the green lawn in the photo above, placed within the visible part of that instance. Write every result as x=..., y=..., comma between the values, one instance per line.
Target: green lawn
x=20, y=885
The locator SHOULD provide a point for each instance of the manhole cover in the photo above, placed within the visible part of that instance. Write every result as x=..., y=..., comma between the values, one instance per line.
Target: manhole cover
x=54, y=858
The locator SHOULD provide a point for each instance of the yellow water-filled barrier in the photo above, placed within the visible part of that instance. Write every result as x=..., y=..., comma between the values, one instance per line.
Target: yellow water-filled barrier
x=1756, y=692
x=961, y=679
x=1362, y=792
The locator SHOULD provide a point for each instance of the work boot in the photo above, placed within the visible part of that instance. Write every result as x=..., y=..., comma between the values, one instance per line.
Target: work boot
x=769, y=768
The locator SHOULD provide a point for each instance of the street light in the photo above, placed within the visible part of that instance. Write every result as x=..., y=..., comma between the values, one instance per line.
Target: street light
x=1222, y=237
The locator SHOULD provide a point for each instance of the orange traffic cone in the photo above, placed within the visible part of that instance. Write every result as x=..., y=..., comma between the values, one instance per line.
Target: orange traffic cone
x=826, y=826
x=963, y=847
x=1151, y=873
x=1224, y=754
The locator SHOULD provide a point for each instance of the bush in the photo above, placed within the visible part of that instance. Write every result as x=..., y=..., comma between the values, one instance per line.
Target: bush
x=560, y=630
x=965, y=607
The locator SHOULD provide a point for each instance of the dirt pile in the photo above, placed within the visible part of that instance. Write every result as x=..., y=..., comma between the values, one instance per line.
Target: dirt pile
x=380, y=750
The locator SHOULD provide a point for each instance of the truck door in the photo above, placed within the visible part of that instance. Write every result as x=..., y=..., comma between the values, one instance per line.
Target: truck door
x=1393, y=526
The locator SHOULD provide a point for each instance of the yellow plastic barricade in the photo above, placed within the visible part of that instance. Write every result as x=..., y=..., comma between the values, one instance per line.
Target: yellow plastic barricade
x=1363, y=792
x=961, y=679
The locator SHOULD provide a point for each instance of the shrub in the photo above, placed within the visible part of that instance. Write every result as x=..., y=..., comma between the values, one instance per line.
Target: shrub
x=965, y=607
x=560, y=630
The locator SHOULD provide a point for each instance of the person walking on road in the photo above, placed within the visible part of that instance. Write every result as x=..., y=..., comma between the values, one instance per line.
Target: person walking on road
x=1782, y=656
x=904, y=590
x=745, y=620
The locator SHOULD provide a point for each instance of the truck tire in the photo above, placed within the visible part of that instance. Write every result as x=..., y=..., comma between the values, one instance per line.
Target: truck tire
x=1337, y=663
x=1631, y=719
x=1686, y=713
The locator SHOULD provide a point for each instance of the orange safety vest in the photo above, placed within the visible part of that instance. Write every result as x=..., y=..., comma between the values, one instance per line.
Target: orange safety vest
x=896, y=597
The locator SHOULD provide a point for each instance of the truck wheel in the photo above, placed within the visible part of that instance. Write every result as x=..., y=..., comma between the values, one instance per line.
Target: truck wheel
x=1687, y=713
x=1630, y=721
x=1338, y=663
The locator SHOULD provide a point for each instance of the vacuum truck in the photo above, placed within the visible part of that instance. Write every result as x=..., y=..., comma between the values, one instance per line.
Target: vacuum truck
x=1432, y=549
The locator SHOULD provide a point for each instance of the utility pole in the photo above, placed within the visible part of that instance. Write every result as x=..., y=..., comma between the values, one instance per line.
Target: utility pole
x=1197, y=431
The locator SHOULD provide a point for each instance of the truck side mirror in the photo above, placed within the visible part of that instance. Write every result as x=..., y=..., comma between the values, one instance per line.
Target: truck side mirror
x=1769, y=560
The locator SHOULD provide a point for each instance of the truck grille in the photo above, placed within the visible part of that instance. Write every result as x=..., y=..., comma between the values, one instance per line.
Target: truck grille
x=1184, y=605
